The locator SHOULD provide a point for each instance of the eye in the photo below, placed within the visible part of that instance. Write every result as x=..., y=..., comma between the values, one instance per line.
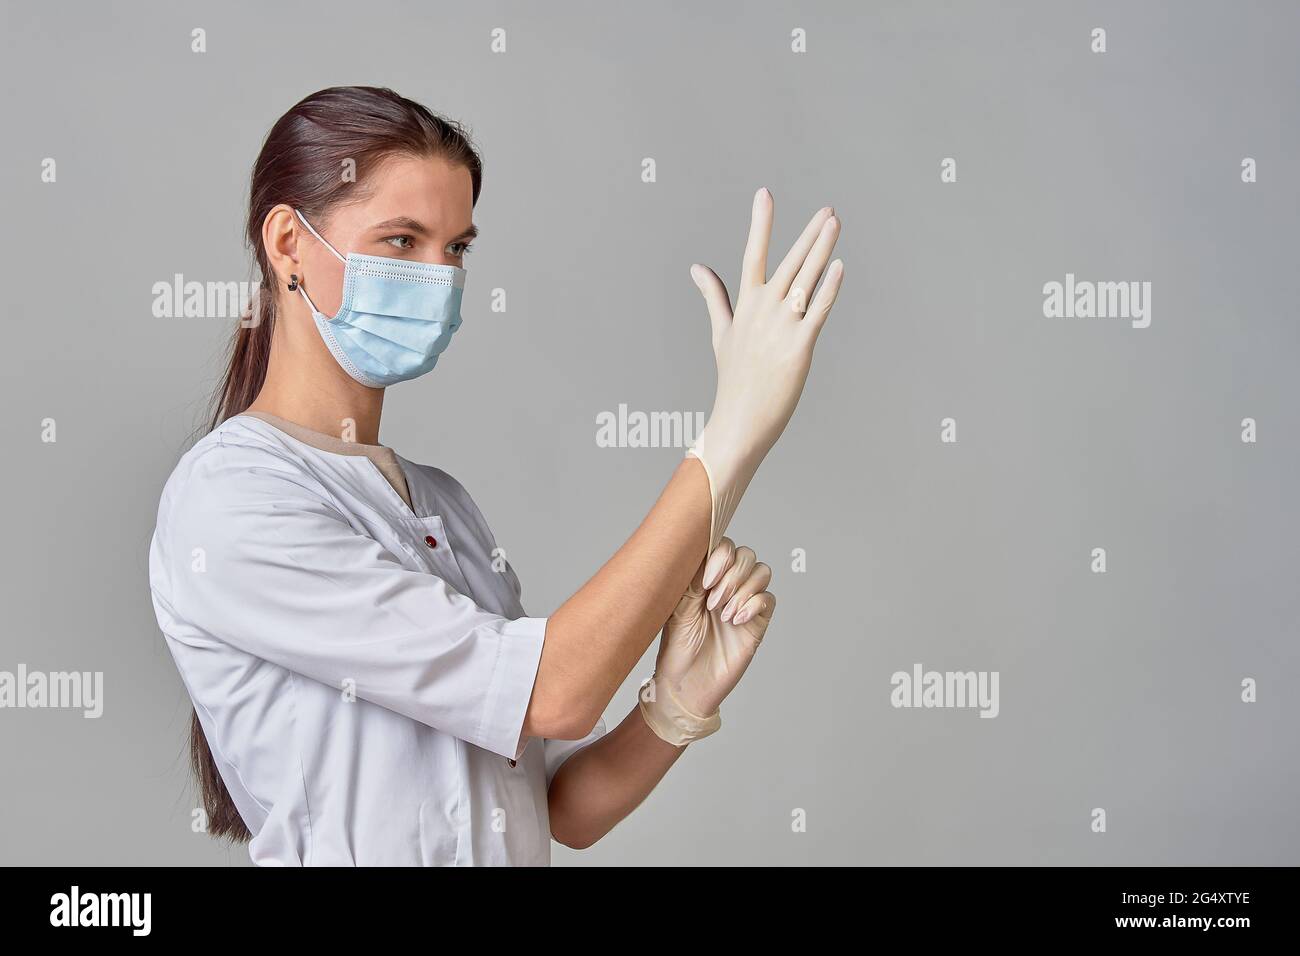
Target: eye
x=401, y=242
x=460, y=249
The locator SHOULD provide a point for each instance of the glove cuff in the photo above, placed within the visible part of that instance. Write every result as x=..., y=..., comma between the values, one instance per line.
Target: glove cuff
x=729, y=476
x=669, y=718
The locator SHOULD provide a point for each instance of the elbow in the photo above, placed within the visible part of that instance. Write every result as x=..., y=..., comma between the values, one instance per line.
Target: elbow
x=571, y=725
x=579, y=725
x=575, y=841
x=560, y=719
x=571, y=827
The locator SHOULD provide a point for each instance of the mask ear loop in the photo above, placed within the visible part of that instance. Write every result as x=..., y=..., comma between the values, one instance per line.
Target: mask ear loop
x=325, y=243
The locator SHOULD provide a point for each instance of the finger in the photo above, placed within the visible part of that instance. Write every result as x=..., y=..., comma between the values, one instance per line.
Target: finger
x=719, y=560
x=815, y=318
x=741, y=565
x=759, y=578
x=715, y=297
x=789, y=267
x=753, y=267
x=759, y=606
x=810, y=273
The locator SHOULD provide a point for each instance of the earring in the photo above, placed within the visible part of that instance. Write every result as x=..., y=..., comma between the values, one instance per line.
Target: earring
x=293, y=282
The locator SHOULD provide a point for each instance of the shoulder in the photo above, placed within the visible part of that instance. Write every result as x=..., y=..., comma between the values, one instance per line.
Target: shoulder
x=241, y=460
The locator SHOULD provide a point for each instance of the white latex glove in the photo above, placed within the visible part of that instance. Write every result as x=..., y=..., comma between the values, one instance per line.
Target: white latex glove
x=707, y=643
x=763, y=349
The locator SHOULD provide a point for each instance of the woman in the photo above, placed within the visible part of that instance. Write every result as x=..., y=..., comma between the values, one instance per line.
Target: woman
x=367, y=687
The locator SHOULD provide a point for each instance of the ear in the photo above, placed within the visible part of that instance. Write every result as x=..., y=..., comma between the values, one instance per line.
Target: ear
x=280, y=240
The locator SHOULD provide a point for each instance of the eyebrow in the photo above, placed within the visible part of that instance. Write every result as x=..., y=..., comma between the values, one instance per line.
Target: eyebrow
x=406, y=222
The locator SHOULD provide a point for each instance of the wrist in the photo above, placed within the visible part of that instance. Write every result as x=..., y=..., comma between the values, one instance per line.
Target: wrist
x=729, y=469
x=670, y=718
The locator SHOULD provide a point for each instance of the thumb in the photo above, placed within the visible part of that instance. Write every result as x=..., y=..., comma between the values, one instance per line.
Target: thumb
x=715, y=297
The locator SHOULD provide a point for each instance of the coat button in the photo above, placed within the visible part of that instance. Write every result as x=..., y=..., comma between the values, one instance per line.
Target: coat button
x=430, y=540
x=512, y=763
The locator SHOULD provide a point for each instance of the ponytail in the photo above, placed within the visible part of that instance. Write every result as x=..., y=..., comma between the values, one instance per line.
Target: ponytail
x=250, y=354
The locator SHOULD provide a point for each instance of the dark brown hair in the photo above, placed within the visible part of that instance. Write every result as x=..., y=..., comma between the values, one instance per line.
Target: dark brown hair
x=344, y=129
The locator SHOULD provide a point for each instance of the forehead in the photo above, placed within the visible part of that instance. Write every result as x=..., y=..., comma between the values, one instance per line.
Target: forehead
x=428, y=189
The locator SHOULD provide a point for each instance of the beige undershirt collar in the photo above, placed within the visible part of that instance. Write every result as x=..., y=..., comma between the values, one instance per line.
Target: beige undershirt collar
x=385, y=458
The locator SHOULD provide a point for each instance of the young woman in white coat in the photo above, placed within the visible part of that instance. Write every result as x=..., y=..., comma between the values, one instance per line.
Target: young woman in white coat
x=367, y=687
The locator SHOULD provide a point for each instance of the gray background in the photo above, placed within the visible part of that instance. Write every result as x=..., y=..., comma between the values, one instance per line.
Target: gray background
x=1119, y=690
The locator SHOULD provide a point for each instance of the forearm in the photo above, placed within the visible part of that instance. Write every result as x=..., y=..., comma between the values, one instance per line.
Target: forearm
x=604, y=782
x=597, y=636
x=763, y=351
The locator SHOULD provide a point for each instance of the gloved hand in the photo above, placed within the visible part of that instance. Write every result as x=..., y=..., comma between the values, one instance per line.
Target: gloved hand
x=763, y=350
x=709, y=640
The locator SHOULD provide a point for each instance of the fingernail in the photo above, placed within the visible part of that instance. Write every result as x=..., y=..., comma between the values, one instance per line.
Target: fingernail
x=837, y=267
x=729, y=610
x=715, y=597
x=696, y=274
x=762, y=191
x=742, y=617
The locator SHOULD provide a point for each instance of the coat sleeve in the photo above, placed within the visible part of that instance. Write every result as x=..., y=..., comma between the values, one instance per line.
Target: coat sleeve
x=260, y=560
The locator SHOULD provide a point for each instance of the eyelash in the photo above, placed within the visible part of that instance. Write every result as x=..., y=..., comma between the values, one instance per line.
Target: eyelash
x=469, y=246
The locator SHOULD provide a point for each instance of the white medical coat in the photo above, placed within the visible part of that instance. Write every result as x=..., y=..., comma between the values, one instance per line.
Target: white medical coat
x=360, y=667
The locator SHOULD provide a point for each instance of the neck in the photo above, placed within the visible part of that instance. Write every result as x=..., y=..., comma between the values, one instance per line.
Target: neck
x=307, y=387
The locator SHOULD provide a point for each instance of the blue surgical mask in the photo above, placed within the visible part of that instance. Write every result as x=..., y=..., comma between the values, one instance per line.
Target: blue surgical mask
x=395, y=319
